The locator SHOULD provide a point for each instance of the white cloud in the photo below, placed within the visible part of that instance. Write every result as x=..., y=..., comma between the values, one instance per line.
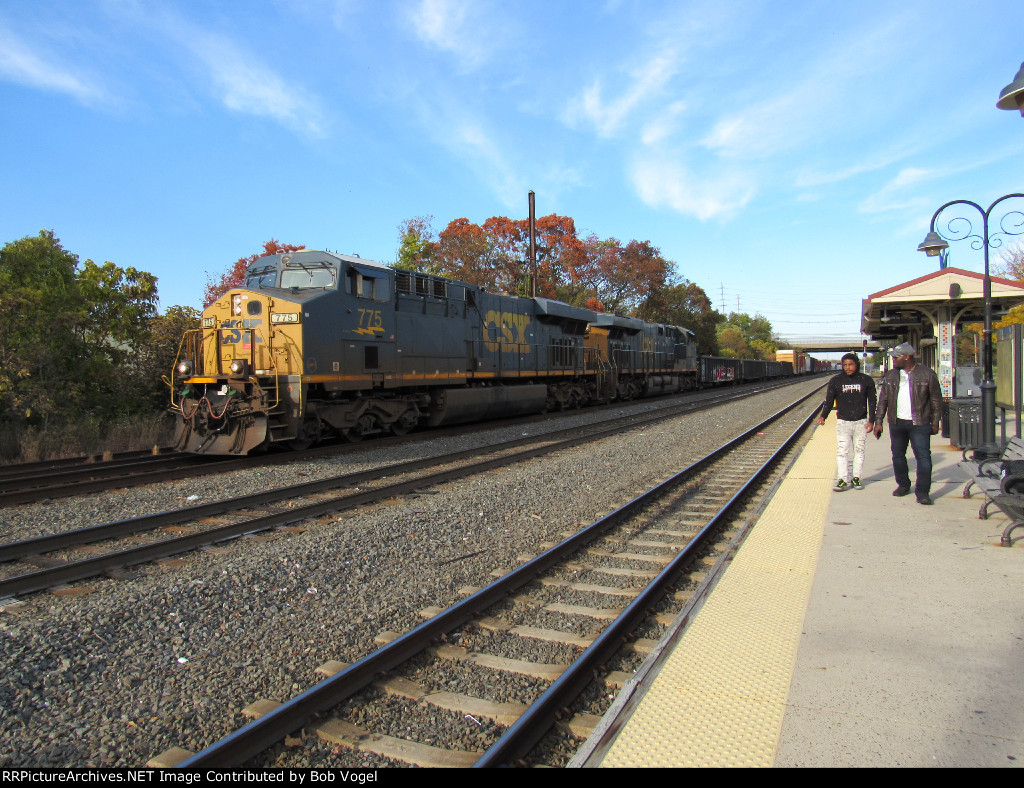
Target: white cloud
x=663, y=124
x=823, y=177
x=248, y=86
x=25, y=65
x=465, y=30
x=894, y=197
x=608, y=116
x=660, y=183
x=240, y=80
x=470, y=141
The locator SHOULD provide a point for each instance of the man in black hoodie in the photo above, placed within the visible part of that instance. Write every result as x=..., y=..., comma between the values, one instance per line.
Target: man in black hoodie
x=854, y=395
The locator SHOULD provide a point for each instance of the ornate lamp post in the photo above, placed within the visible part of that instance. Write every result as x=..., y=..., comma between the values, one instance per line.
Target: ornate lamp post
x=958, y=229
x=1012, y=96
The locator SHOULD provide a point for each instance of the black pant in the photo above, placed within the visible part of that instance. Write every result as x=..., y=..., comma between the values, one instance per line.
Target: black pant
x=902, y=433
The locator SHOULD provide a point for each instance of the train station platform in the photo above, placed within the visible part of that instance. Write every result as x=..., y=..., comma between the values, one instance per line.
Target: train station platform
x=851, y=629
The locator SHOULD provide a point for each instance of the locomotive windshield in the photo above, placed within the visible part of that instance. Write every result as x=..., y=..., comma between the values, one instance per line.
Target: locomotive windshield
x=257, y=278
x=294, y=275
x=299, y=275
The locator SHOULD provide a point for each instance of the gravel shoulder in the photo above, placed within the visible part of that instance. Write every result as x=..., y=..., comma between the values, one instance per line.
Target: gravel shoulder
x=172, y=656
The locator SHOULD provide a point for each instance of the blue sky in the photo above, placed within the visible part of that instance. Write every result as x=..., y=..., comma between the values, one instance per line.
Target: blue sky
x=787, y=156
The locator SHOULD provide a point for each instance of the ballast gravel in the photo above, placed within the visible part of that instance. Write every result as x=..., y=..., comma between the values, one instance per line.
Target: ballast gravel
x=171, y=656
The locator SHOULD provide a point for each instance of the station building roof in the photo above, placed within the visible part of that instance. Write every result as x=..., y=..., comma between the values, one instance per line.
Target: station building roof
x=898, y=309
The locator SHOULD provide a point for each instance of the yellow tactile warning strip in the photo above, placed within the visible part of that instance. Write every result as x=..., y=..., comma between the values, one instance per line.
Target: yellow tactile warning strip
x=720, y=698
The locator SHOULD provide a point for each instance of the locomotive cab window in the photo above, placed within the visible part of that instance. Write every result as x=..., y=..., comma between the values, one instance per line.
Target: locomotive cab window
x=298, y=276
x=367, y=283
x=256, y=278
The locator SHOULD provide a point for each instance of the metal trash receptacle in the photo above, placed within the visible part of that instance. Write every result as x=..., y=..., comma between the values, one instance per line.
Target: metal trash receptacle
x=965, y=423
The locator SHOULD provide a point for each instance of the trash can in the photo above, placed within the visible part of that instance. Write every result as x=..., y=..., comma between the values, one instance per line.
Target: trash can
x=965, y=422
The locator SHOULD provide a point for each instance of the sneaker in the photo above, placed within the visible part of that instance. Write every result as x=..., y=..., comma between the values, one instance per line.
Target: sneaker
x=856, y=483
x=924, y=499
x=841, y=485
x=899, y=492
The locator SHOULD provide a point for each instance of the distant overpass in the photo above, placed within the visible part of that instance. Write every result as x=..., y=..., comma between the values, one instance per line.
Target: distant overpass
x=833, y=346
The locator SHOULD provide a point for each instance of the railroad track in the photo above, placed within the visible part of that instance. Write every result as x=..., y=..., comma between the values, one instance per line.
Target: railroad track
x=34, y=482
x=41, y=481
x=595, y=601
x=57, y=560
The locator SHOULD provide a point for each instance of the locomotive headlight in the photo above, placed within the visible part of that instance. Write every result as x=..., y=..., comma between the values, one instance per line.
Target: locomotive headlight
x=184, y=368
x=284, y=317
x=240, y=367
x=209, y=322
x=236, y=304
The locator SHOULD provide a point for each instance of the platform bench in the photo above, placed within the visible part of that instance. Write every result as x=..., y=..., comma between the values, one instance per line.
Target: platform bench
x=1005, y=491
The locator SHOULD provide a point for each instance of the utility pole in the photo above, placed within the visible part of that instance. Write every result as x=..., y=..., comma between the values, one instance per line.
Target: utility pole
x=533, y=247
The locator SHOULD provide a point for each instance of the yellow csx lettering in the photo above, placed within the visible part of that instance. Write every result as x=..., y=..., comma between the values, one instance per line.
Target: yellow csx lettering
x=504, y=329
x=371, y=321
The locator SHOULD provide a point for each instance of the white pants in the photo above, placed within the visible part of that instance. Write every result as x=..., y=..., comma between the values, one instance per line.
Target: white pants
x=848, y=432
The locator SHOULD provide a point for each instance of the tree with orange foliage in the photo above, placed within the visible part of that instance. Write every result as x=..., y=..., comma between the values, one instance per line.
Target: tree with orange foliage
x=235, y=276
x=621, y=277
x=495, y=255
x=602, y=275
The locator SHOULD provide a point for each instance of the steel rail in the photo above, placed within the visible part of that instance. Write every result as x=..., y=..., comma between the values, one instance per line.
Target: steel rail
x=524, y=734
x=96, y=460
x=248, y=741
x=121, y=528
x=225, y=464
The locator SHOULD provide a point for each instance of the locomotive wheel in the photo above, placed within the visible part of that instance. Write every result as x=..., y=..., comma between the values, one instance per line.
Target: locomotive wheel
x=364, y=426
x=311, y=434
x=398, y=429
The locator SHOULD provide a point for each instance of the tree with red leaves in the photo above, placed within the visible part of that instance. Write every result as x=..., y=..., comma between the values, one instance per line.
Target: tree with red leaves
x=495, y=255
x=604, y=275
x=235, y=276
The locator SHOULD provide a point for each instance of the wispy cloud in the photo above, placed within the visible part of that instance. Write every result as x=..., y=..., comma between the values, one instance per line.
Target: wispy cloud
x=608, y=116
x=820, y=89
x=246, y=85
x=241, y=80
x=898, y=194
x=29, y=65
x=487, y=159
x=663, y=125
x=662, y=183
x=467, y=31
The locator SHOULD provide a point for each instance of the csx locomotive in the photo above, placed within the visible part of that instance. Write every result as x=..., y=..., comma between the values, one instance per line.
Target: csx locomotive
x=317, y=344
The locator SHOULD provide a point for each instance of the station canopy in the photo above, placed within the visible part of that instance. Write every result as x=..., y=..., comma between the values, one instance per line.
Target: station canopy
x=912, y=309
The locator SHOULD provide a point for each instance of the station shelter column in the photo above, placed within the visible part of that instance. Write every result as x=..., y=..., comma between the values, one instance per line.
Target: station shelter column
x=945, y=335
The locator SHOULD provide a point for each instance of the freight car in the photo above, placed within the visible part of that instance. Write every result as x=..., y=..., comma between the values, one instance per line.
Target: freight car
x=802, y=364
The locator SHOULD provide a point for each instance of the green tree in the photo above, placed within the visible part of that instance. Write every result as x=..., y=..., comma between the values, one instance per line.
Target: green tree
x=764, y=350
x=758, y=338
x=417, y=246
x=155, y=358
x=731, y=342
x=41, y=364
x=685, y=304
x=69, y=334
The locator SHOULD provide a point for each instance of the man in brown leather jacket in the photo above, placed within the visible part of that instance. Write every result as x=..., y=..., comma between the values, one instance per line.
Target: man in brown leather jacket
x=912, y=400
